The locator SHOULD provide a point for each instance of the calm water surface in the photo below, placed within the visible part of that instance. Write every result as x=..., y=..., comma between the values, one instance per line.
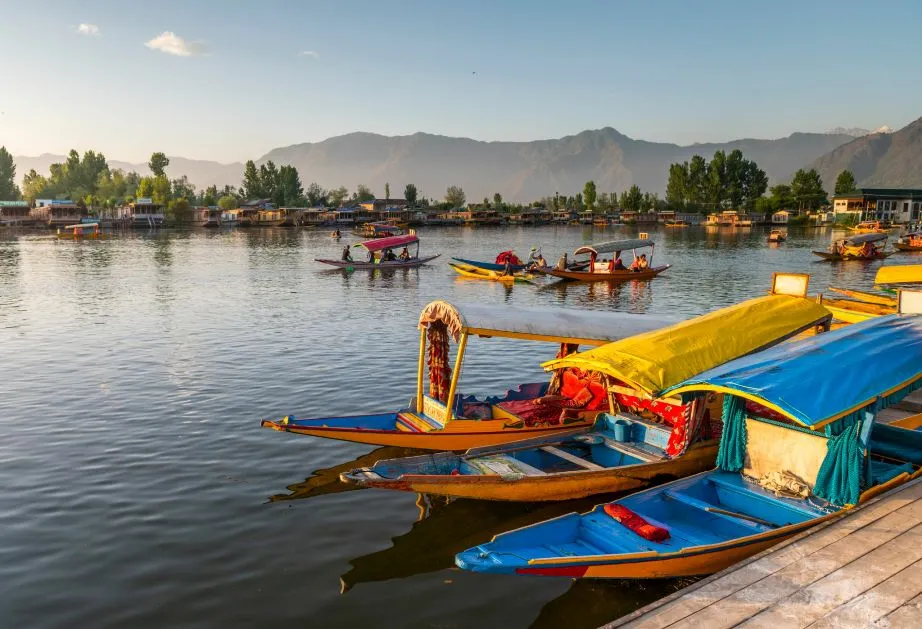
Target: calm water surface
x=137, y=489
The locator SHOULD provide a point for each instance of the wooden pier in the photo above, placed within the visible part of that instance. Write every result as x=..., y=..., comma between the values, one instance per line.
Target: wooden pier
x=861, y=570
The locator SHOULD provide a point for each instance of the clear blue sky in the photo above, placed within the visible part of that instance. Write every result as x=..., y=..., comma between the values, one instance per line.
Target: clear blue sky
x=257, y=75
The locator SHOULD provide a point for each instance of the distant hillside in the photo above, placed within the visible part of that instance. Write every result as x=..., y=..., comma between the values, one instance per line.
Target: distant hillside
x=891, y=160
x=520, y=171
x=523, y=171
x=202, y=173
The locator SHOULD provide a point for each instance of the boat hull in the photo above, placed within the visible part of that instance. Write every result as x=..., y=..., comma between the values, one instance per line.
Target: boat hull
x=489, y=266
x=550, y=487
x=613, y=276
x=835, y=257
x=458, y=435
x=870, y=298
x=473, y=272
x=380, y=265
x=902, y=247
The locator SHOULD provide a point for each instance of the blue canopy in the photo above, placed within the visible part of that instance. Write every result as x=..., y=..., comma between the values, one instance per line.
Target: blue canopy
x=822, y=378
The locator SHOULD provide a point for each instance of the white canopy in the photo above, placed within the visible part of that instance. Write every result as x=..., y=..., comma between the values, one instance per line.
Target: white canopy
x=559, y=325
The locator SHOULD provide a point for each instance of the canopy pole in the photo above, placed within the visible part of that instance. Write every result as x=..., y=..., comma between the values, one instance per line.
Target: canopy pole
x=421, y=370
x=454, y=377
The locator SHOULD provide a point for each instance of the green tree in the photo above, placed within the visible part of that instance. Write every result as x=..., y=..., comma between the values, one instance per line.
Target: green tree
x=697, y=181
x=387, y=192
x=410, y=193
x=269, y=180
x=632, y=199
x=781, y=197
x=338, y=195
x=179, y=210
x=677, y=185
x=498, y=201
x=162, y=191
x=734, y=173
x=754, y=183
x=210, y=196
x=807, y=188
x=8, y=189
x=251, y=186
x=182, y=188
x=363, y=194
x=589, y=195
x=227, y=202
x=145, y=188
x=158, y=163
x=716, y=182
x=845, y=182
x=316, y=195
x=289, y=190
x=454, y=196
x=33, y=186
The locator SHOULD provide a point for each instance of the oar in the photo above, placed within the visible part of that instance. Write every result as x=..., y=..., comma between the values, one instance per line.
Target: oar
x=741, y=516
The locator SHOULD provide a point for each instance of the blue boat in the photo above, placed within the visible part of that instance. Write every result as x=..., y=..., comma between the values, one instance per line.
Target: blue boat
x=799, y=446
x=490, y=266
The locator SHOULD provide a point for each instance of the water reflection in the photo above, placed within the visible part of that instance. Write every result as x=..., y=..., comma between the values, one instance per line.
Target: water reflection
x=446, y=527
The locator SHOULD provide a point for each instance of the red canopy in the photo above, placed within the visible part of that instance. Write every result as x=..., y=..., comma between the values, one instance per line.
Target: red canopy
x=389, y=243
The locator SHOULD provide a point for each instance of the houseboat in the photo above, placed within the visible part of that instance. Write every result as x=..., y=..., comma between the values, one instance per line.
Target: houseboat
x=206, y=217
x=15, y=213
x=57, y=212
x=142, y=213
x=277, y=217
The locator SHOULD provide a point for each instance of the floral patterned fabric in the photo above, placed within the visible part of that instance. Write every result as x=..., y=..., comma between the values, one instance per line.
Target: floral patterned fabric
x=437, y=359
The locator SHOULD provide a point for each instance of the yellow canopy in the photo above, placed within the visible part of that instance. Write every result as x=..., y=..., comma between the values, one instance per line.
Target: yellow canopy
x=899, y=274
x=654, y=361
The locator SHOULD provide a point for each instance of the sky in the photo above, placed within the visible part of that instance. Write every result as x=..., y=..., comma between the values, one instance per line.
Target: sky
x=228, y=80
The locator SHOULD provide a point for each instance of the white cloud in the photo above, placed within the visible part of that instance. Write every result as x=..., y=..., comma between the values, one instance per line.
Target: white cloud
x=309, y=53
x=87, y=29
x=172, y=44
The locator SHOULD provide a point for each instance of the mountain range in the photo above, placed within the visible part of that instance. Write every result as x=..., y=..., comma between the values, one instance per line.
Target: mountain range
x=523, y=171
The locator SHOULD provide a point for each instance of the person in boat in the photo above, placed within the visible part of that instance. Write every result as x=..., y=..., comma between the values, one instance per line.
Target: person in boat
x=867, y=250
x=371, y=257
x=643, y=264
x=347, y=255
x=562, y=262
x=404, y=255
x=507, y=268
x=618, y=265
x=635, y=264
x=389, y=256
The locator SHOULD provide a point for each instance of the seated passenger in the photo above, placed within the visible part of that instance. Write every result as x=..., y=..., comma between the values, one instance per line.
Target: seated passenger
x=404, y=255
x=347, y=255
x=635, y=265
x=643, y=262
x=619, y=264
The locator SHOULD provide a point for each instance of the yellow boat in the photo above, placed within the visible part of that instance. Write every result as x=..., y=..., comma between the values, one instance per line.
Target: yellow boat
x=430, y=423
x=639, y=440
x=474, y=272
x=81, y=231
x=870, y=298
x=899, y=274
x=869, y=227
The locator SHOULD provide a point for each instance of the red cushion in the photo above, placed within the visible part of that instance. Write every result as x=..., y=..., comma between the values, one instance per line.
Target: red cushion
x=637, y=524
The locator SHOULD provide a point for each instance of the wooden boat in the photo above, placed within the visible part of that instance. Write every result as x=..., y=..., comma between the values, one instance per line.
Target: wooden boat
x=779, y=405
x=909, y=242
x=669, y=222
x=869, y=227
x=430, y=423
x=379, y=246
x=473, y=272
x=80, y=231
x=870, y=298
x=623, y=450
x=854, y=311
x=899, y=274
x=378, y=230
x=489, y=266
x=861, y=247
x=599, y=271
x=777, y=235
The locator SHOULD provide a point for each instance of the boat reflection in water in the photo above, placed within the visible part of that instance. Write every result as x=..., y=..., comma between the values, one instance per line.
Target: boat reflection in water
x=326, y=481
x=445, y=527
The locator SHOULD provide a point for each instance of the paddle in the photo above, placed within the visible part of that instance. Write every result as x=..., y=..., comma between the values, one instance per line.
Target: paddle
x=741, y=516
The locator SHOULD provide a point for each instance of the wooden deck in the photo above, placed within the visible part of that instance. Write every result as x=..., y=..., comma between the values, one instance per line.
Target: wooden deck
x=861, y=570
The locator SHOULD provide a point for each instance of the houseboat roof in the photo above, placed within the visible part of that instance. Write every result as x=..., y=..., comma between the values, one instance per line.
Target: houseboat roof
x=822, y=378
x=614, y=245
x=391, y=242
x=559, y=325
x=655, y=361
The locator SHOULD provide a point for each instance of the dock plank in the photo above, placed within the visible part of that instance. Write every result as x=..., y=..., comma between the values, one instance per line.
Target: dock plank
x=739, y=592
x=907, y=615
x=878, y=602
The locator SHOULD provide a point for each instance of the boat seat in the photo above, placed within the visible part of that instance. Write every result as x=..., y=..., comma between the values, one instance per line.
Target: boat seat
x=502, y=465
x=704, y=506
x=642, y=451
x=736, y=483
x=572, y=458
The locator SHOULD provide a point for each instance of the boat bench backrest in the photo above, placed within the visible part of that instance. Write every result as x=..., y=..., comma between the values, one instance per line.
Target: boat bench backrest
x=641, y=431
x=773, y=448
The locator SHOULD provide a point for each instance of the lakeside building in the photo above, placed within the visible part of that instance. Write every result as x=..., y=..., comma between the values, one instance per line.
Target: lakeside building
x=15, y=213
x=56, y=212
x=900, y=205
x=206, y=216
x=143, y=212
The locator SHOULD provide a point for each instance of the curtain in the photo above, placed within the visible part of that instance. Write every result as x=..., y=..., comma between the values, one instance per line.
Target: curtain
x=732, y=452
x=841, y=475
x=437, y=359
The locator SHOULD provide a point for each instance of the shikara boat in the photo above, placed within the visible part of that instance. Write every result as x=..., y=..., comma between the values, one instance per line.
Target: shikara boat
x=855, y=311
x=909, y=242
x=378, y=230
x=473, y=272
x=869, y=227
x=899, y=274
x=882, y=299
x=488, y=266
x=600, y=271
x=674, y=223
x=638, y=441
x=799, y=446
x=777, y=235
x=861, y=247
x=429, y=422
x=80, y=231
x=377, y=248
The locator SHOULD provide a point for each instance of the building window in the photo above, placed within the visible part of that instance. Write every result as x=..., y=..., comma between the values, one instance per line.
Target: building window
x=915, y=211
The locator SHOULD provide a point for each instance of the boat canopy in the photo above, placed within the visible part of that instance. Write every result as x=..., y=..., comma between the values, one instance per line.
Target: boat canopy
x=820, y=379
x=614, y=245
x=389, y=243
x=561, y=325
x=81, y=225
x=657, y=360
x=860, y=239
x=899, y=274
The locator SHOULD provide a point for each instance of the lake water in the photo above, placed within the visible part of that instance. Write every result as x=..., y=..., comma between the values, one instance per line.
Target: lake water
x=137, y=489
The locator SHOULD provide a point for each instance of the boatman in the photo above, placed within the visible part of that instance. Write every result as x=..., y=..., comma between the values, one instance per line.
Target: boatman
x=347, y=255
